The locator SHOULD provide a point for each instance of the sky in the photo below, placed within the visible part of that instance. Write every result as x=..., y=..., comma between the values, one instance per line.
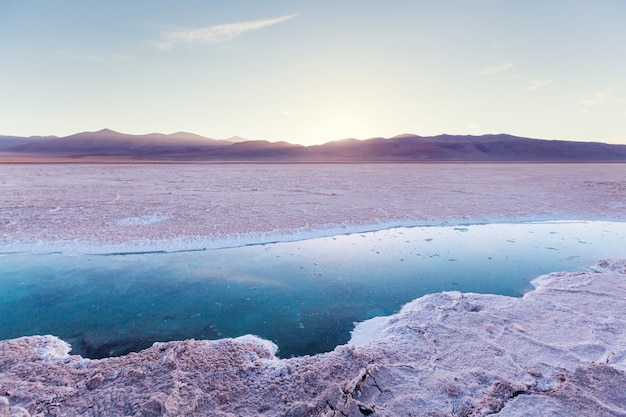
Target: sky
x=310, y=72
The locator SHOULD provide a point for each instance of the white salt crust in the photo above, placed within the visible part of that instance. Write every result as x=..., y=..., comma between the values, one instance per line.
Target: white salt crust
x=99, y=208
x=558, y=351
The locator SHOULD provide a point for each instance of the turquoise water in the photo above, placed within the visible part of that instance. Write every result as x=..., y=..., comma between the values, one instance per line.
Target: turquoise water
x=305, y=296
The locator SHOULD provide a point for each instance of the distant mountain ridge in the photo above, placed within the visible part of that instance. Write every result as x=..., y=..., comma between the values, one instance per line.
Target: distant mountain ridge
x=184, y=146
x=110, y=142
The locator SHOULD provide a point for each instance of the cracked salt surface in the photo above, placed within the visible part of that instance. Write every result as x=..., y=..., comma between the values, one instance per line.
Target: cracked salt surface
x=51, y=208
x=142, y=220
x=559, y=350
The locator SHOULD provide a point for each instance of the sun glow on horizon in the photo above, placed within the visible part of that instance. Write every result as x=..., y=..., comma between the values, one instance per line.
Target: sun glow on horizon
x=310, y=73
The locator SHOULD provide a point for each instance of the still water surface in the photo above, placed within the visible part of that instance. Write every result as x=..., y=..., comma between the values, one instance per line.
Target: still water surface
x=305, y=296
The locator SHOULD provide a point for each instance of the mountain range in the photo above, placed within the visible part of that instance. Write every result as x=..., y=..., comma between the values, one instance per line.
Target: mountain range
x=107, y=144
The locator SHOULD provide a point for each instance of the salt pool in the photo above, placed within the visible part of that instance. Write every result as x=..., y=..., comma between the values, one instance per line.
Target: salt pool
x=304, y=295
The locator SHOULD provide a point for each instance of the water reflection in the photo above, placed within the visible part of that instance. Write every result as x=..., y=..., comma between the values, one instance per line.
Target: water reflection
x=305, y=295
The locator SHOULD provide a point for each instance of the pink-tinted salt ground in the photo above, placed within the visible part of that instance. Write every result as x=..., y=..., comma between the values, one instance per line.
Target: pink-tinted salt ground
x=558, y=351
x=248, y=203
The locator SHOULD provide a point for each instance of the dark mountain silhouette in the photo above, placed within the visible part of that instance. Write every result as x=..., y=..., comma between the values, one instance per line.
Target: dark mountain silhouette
x=263, y=149
x=110, y=142
x=235, y=139
x=184, y=146
x=8, y=142
x=494, y=148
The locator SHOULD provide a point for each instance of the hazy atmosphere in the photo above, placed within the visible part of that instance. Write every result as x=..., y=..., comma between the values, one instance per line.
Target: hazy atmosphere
x=312, y=208
x=310, y=72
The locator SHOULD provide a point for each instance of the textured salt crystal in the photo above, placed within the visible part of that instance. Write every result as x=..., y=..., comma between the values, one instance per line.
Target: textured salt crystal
x=367, y=331
x=117, y=208
x=559, y=350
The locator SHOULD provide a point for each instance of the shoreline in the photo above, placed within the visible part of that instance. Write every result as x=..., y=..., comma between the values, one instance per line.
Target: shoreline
x=322, y=285
x=231, y=205
x=452, y=353
x=206, y=243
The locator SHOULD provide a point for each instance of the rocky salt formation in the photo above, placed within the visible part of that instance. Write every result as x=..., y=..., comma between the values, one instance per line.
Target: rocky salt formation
x=558, y=351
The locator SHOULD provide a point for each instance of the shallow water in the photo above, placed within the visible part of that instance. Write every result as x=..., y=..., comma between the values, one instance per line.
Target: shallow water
x=304, y=296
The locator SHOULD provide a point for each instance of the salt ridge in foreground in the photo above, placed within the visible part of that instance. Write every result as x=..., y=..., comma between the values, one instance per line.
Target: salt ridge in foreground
x=559, y=350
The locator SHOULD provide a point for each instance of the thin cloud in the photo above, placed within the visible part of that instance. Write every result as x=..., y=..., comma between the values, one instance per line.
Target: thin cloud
x=537, y=84
x=84, y=57
x=598, y=99
x=498, y=69
x=215, y=34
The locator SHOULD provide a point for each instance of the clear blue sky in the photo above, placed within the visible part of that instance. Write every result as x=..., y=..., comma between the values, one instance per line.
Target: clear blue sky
x=313, y=71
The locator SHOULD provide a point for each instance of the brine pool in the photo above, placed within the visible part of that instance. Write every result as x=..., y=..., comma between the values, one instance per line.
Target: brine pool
x=305, y=296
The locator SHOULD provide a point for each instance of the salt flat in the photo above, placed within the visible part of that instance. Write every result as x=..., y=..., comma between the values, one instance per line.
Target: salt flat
x=558, y=351
x=186, y=206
